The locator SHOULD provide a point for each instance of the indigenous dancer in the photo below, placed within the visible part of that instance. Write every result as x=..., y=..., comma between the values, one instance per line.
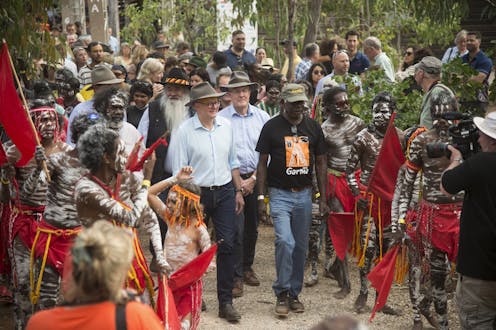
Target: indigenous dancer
x=340, y=130
x=376, y=215
x=186, y=237
x=109, y=192
x=28, y=192
x=60, y=224
x=437, y=219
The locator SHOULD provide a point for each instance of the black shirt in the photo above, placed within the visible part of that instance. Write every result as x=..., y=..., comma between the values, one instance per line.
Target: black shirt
x=477, y=247
x=292, y=152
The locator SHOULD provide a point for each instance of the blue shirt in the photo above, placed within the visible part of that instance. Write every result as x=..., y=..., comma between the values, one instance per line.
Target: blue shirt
x=247, y=130
x=211, y=153
x=302, y=69
x=480, y=62
x=234, y=61
x=359, y=63
x=81, y=108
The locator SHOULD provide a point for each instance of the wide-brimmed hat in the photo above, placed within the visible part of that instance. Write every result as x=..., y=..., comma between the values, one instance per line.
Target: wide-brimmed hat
x=102, y=75
x=430, y=64
x=203, y=91
x=197, y=62
x=177, y=76
x=294, y=93
x=239, y=79
x=267, y=63
x=487, y=125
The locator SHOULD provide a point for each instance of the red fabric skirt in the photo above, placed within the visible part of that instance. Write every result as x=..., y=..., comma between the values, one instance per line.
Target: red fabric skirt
x=139, y=277
x=440, y=225
x=381, y=209
x=24, y=221
x=338, y=187
x=189, y=300
x=60, y=242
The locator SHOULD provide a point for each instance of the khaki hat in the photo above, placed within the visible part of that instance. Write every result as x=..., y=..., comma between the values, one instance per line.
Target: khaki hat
x=102, y=75
x=487, y=125
x=267, y=63
x=203, y=91
x=239, y=79
x=430, y=64
x=294, y=93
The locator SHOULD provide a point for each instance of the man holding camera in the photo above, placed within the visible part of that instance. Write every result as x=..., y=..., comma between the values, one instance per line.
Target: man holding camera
x=476, y=263
x=438, y=214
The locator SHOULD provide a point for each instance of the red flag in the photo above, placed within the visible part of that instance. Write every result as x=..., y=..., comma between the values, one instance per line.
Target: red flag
x=3, y=155
x=166, y=308
x=341, y=226
x=381, y=278
x=132, y=159
x=193, y=270
x=389, y=161
x=134, y=165
x=13, y=117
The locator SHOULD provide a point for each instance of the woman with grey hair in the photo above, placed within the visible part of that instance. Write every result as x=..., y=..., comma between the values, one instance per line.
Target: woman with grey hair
x=101, y=257
x=458, y=50
x=110, y=192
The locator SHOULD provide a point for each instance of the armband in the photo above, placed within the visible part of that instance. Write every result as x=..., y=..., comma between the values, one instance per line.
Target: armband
x=401, y=221
x=146, y=183
x=4, y=181
x=260, y=197
x=317, y=195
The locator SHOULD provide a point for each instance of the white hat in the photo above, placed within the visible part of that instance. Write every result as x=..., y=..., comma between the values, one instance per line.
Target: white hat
x=487, y=125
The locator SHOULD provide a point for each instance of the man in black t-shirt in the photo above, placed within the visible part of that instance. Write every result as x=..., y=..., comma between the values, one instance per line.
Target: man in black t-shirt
x=476, y=263
x=295, y=143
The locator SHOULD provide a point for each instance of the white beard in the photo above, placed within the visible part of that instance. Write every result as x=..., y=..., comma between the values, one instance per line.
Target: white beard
x=175, y=111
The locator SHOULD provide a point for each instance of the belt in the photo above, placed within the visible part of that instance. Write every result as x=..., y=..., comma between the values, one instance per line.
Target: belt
x=212, y=188
x=298, y=189
x=246, y=176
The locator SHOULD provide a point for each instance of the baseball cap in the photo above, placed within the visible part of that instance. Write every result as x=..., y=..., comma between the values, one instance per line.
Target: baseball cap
x=294, y=93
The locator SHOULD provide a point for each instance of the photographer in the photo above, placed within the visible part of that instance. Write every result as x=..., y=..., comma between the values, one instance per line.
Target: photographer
x=476, y=290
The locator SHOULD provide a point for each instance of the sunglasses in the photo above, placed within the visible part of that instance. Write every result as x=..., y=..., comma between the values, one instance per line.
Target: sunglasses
x=318, y=72
x=408, y=53
x=341, y=104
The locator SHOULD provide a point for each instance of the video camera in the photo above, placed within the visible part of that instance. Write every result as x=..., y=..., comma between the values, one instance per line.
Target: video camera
x=464, y=136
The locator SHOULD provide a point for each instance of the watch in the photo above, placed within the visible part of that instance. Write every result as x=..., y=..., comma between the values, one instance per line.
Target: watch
x=241, y=190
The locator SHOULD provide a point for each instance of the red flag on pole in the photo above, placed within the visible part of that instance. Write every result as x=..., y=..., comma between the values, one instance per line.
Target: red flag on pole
x=341, y=227
x=193, y=270
x=13, y=117
x=389, y=161
x=166, y=308
x=133, y=164
x=381, y=278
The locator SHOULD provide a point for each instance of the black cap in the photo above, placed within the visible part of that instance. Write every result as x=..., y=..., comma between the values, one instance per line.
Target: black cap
x=286, y=41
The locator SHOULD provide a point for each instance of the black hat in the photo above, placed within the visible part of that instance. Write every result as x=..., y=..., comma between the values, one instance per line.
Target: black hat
x=286, y=41
x=159, y=44
x=177, y=76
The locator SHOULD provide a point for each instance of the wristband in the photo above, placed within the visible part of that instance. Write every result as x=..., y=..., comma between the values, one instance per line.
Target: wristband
x=260, y=197
x=401, y=221
x=317, y=195
x=460, y=160
x=4, y=181
x=254, y=177
x=146, y=183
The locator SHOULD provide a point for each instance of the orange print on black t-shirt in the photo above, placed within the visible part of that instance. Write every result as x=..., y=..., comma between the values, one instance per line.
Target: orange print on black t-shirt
x=297, y=152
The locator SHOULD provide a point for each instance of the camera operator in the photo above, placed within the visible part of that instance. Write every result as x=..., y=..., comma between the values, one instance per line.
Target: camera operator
x=476, y=264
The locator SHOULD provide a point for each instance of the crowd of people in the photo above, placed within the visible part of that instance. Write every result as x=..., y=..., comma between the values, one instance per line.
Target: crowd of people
x=141, y=137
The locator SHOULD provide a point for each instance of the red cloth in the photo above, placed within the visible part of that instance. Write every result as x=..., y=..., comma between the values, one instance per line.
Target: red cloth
x=381, y=278
x=189, y=300
x=383, y=206
x=440, y=223
x=341, y=228
x=193, y=271
x=139, y=278
x=411, y=224
x=133, y=164
x=166, y=307
x=13, y=117
x=25, y=219
x=383, y=178
x=338, y=187
x=4, y=239
x=60, y=243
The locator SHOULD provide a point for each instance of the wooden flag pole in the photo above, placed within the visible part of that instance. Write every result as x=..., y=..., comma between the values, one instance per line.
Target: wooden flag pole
x=26, y=107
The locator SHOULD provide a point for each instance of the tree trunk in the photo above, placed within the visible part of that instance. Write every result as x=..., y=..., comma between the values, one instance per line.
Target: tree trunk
x=277, y=15
x=291, y=10
x=314, y=7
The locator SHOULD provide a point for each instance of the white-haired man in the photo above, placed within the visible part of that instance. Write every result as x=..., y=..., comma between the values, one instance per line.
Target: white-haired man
x=372, y=47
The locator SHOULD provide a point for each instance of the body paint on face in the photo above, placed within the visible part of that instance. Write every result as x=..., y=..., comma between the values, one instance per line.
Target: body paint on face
x=381, y=114
x=341, y=106
x=115, y=111
x=45, y=120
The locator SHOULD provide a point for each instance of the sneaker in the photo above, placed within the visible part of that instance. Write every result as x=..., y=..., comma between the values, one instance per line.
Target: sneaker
x=228, y=312
x=282, y=304
x=250, y=278
x=237, y=290
x=295, y=305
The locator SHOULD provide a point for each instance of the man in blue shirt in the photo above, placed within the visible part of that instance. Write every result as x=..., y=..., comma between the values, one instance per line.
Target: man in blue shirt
x=358, y=61
x=483, y=65
x=237, y=55
x=247, y=121
x=206, y=142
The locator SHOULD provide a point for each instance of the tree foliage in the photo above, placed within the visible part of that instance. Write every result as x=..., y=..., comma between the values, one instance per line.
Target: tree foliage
x=24, y=27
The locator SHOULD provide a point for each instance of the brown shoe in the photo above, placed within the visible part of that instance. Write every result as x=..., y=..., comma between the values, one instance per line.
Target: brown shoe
x=237, y=290
x=282, y=304
x=295, y=305
x=229, y=313
x=250, y=278
x=361, y=303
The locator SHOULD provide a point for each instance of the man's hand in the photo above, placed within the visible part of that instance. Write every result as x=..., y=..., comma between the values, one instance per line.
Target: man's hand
x=164, y=267
x=456, y=155
x=248, y=185
x=149, y=165
x=240, y=202
x=323, y=208
x=39, y=156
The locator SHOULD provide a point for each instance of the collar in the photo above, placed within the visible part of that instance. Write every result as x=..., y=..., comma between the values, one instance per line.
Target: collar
x=197, y=123
x=233, y=113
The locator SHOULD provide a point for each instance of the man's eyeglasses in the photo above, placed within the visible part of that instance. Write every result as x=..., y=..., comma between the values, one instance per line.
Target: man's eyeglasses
x=211, y=104
x=341, y=104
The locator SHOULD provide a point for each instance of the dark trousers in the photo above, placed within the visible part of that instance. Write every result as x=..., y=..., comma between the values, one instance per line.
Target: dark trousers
x=219, y=203
x=247, y=235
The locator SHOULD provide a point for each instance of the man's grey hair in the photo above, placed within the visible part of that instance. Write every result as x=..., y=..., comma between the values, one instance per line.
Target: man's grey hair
x=94, y=143
x=311, y=49
x=372, y=42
